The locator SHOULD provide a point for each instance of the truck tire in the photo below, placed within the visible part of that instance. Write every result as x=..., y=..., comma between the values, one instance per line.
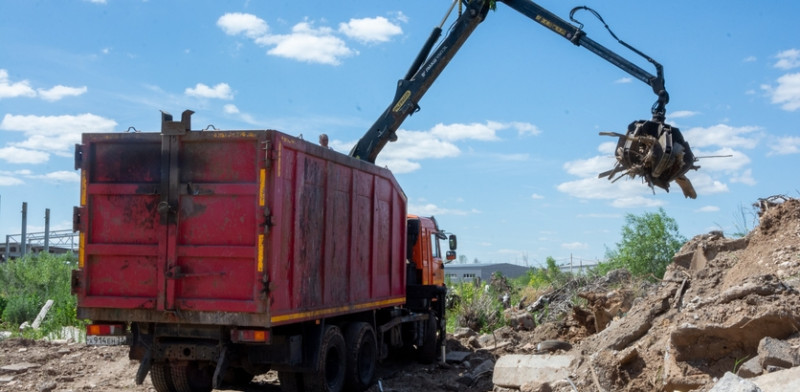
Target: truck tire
x=362, y=356
x=427, y=353
x=291, y=381
x=190, y=376
x=161, y=377
x=331, y=363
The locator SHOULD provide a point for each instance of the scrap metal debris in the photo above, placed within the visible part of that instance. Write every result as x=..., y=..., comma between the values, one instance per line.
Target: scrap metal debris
x=656, y=152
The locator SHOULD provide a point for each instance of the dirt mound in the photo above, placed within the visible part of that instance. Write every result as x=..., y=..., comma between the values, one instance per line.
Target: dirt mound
x=717, y=302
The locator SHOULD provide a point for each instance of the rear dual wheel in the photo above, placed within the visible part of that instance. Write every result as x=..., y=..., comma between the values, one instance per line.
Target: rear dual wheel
x=362, y=356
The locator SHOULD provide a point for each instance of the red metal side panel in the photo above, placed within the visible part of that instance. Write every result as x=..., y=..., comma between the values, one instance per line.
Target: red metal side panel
x=339, y=236
x=121, y=179
x=205, y=256
x=218, y=222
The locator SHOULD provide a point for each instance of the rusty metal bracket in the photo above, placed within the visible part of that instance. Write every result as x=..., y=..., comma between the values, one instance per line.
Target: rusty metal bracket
x=169, y=127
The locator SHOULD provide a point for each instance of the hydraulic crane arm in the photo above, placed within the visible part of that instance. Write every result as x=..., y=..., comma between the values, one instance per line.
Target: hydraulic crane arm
x=426, y=68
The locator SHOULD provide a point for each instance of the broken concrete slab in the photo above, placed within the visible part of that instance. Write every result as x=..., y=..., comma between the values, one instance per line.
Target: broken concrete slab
x=774, y=352
x=42, y=314
x=783, y=381
x=513, y=371
x=18, y=367
x=751, y=368
x=6, y=379
x=456, y=356
x=733, y=383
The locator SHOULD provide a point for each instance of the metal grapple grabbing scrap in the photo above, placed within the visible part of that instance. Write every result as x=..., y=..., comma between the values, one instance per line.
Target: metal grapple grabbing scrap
x=655, y=151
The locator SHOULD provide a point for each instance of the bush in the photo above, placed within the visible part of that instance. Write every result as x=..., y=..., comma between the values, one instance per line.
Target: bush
x=28, y=283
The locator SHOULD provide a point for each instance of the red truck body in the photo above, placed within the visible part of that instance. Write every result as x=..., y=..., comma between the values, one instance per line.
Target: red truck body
x=231, y=231
x=218, y=255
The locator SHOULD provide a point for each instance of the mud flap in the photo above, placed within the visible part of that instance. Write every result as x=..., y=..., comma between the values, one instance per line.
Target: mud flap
x=144, y=366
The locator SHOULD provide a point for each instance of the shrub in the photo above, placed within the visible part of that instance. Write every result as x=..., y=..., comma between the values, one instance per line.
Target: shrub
x=28, y=283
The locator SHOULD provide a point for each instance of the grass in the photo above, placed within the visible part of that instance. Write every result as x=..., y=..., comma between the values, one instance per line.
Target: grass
x=27, y=283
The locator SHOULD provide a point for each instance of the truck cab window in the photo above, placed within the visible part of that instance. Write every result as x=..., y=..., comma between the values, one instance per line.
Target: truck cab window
x=435, y=253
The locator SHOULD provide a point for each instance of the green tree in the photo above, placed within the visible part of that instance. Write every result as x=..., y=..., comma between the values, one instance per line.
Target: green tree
x=648, y=243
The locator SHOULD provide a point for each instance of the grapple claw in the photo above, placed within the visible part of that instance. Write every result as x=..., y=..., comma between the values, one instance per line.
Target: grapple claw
x=656, y=152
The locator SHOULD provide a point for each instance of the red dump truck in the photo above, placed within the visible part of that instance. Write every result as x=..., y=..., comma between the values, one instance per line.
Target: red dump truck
x=218, y=255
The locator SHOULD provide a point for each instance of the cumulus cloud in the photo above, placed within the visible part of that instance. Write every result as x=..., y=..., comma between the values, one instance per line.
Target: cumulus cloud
x=788, y=59
x=575, y=245
x=785, y=145
x=786, y=93
x=707, y=209
x=57, y=92
x=220, y=91
x=308, y=43
x=403, y=156
x=9, y=181
x=61, y=176
x=10, y=89
x=53, y=134
x=249, y=25
x=370, y=30
x=724, y=135
x=682, y=114
x=430, y=209
x=23, y=155
x=230, y=109
x=745, y=177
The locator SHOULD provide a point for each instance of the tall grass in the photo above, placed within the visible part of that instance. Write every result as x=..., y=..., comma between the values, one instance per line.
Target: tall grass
x=27, y=283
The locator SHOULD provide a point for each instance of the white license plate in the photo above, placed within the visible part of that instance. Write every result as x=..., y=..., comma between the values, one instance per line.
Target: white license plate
x=96, y=340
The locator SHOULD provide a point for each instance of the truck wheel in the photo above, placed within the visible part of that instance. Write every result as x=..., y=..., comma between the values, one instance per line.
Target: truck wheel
x=362, y=354
x=190, y=376
x=161, y=377
x=291, y=381
x=427, y=353
x=331, y=363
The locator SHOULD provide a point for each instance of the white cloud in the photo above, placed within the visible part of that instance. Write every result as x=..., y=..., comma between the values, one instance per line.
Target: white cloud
x=729, y=160
x=434, y=210
x=403, y=156
x=54, y=134
x=308, y=44
x=537, y=196
x=749, y=59
x=370, y=30
x=636, y=202
x=707, y=209
x=220, y=91
x=607, y=148
x=230, y=109
x=788, y=59
x=785, y=145
x=682, y=114
x=97, y=1
x=787, y=93
x=724, y=136
x=705, y=184
x=9, y=181
x=15, y=89
x=745, y=177
x=59, y=91
x=623, y=80
x=60, y=176
x=249, y=25
x=575, y=245
x=589, y=167
x=23, y=156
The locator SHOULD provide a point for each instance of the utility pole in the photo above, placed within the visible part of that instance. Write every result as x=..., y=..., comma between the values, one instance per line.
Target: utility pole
x=46, y=230
x=23, y=245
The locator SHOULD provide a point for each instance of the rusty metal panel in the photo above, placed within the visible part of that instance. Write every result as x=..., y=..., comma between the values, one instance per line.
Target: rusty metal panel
x=253, y=226
x=339, y=236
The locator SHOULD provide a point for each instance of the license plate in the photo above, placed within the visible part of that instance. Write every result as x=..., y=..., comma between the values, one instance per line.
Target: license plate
x=96, y=340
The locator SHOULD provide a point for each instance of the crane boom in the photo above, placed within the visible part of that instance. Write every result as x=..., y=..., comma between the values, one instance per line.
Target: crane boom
x=427, y=68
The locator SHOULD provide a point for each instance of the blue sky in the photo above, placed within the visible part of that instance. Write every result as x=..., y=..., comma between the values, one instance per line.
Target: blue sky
x=505, y=150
